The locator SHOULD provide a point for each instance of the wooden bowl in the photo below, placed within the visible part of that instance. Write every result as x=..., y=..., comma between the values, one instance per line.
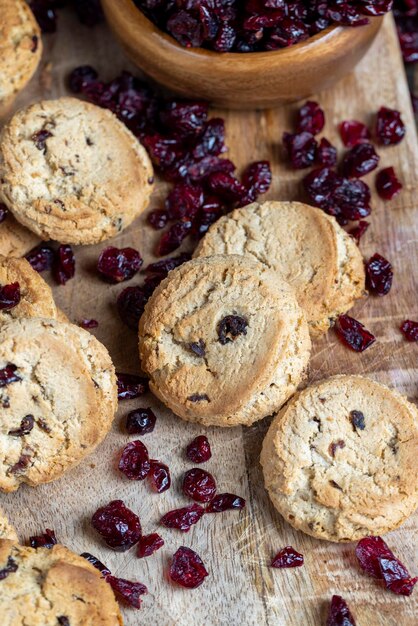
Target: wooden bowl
x=239, y=80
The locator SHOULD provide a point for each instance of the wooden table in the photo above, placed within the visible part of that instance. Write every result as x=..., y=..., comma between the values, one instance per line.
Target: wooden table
x=237, y=547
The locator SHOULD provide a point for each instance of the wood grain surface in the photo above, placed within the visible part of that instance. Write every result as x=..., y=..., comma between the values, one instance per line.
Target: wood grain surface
x=237, y=547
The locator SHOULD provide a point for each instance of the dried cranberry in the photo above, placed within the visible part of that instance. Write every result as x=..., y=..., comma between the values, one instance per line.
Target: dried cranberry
x=390, y=128
x=187, y=568
x=185, y=118
x=198, y=348
x=9, y=296
x=379, y=275
x=63, y=620
x=353, y=132
x=129, y=591
x=63, y=268
x=140, y=421
x=226, y=186
x=301, y=149
x=387, y=183
x=134, y=461
x=183, y=200
x=8, y=375
x=225, y=502
x=159, y=477
x=46, y=540
x=310, y=118
x=39, y=138
x=333, y=447
x=368, y=550
x=358, y=231
x=360, y=160
x=118, y=525
x=198, y=450
x=3, y=212
x=184, y=518
x=26, y=426
x=117, y=265
x=157, y=219
x=353, y=334
x=326, y=153
x=131, y=303
x=166, y=265
x=357, y=420
x=96, y=563
x=41, y=257
x=88, y=323
x=199, y=485
x=230, y=327
x=212, y=140
x=11, y=567
x=320, y=185
x=287, y=557
x=130, y=386
x=81, y=78
x=409, y=329
x=339, y=613
x=174, y=237
x=148, y=544
x=257, y=178
x=350, y=200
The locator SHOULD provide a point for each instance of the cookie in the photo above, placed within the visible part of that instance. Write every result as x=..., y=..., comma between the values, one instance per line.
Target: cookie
x=6, y=529
x=36, y=299
x=53, y=587
x=72, y=171
x=340, y=459
x=223, y=341
x=15, y=239
x=57, y=397
x=20, y=50
x=301, y=244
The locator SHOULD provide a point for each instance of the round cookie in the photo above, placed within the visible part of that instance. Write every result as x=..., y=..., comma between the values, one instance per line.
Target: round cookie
x=223, y=341
x=304, y=246
x=6, y=529
x=53, y=586
x=72, y=171
x=15, y=239
x=36, y=299
x=58, y=397
x=340, y=459
x=20, y=50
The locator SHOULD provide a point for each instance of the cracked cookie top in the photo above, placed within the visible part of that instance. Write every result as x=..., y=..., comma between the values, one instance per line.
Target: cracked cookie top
x=72, y=171
x=223, y=340
x=36, y=299
x=57, y=399
x=340, y=459
x=53, y=587
x=303, y=245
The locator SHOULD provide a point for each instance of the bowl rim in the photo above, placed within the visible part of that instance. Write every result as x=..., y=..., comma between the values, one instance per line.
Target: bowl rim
x=139, y=19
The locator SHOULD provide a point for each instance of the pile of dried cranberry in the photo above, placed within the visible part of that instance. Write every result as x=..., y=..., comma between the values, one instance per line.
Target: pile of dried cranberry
x=406, y=16
x=254, y=25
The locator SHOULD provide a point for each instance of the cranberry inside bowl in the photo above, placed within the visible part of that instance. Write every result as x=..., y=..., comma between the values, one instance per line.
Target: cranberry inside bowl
x=240, y=80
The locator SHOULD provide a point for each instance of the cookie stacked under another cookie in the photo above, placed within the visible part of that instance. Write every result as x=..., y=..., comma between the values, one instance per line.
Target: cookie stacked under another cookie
x=71, y=171
x=57, y=397
x=340, y=459
x=6, y=529
x=53, y=587
x=223, y=341
x=303, y=246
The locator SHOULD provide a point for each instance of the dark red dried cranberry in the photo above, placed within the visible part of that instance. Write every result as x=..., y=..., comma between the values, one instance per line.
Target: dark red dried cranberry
x=339, y=613
x=333, y=447
x=198, y=348
x=353, y=132
x=148, y=544
x=81, y=78
x=198, y=450
x=183, y=518
x=350, y=200
x=41, y=257
x=212, y=140
x=128, y=590
x=140, y=421
x=226, y=186
x=326, y=153
x=63, y=268
x=131, y=303
x=368, y=550
x=174, y=237
x=301, y=149
x=131, y=386
x=187, y=568
x=185, y=118
x=87, y=323
x=379, y=275
x=11, y=567
x=159, y=477
x=184, y=200
x=387, y=183
x=287, y=557
x=166, y=265
x=410, y=330
x=225, y=502
x=118, y=525
x=360, y=160
x=63, y=620
x=390, y=128
x=353, y=334
x=358, y=231
x=134, y=461
x=8, y=375
x=230, y=327
x=117, y=265
x=45, y=13
x=257, y=178
x=9, y=296
x=199, y=485
x=157, y=219
x=39, y=138
x=25, y=427
x=310, y=118
x=357, y=420
x=96, y=563
x=46, y=540
x=3, y=212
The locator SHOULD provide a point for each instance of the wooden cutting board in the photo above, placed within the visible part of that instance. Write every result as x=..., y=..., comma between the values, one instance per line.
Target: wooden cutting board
x=237, y=547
